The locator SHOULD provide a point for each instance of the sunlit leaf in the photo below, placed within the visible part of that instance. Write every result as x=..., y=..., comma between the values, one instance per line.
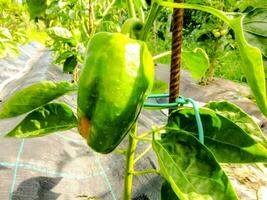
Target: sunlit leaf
x=36, y=7
x=240, y=118
x=59, y=33
x=159, y=87
x=252, y=65
x=44, y=120
x=190, y=168
x=197, y=62
x=227, y=141
x=34, y=96
x=255, y=28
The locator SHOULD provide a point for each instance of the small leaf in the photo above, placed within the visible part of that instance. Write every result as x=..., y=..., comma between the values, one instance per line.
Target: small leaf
x=190, y=168
x=227, y=141
x=34, y=96
x=255, y=28
x=252, y=64
x=70, y=64
x=244, y=4
x=36, y=8
x=197, y=62
x=159, y=86
x=59, y=33
x=44, y=120
x=5, y=33
x=63, y=56
x=167, y=192
x=240, y=118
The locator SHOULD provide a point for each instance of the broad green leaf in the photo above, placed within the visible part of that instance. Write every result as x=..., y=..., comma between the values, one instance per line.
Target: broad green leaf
x=252, y=65
x=44, y=120
x=69, y=64
x=243, y=4
x=36, y=7
x=197, y=62
x=166, y=192
x=159, y=87
x=59, y=33
x=190, y=168
x=34, y=96
x=255, y=28
x=240, y=118
x=63, y=56
x=227, y=141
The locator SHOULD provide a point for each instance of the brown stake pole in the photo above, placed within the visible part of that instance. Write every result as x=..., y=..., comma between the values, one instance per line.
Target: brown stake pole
x=90, y=17
x=177, y=28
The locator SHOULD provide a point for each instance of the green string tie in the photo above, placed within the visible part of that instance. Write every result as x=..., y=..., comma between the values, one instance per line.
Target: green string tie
x=178, y=102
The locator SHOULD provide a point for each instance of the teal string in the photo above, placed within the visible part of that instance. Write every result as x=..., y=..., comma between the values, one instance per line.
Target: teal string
x=179, y=101
x=198, y=119
x=16, y=170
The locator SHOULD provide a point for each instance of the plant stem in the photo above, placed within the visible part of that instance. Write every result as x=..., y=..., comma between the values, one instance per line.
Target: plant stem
x=75, y=74
x=105, y=12
x=146, y=172
x=131, y=9
x=128, y=178
x=153, y=13
x=218, y=13
x=143, y=153
x=90, y=17
x=141, y=138
x=150, y=132
x=167, y=53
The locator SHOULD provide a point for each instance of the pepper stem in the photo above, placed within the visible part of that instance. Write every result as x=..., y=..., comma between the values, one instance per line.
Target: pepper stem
x=128, y=178
x=131, y=9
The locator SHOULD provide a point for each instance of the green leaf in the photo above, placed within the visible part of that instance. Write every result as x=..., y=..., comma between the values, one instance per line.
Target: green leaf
x=36, y=7
x=34, y=96
x=63, y=56
x=159, y=87
x=242, y=5
x=5, y=34
x=240, y=118
x=190, y=168
x=227, y=141
x=252, y=65
x=255, y=28
x=44, y=120
x=70, y=64
x=167, y=193
x=197, y=62
x=59, y=33
x=140, y=6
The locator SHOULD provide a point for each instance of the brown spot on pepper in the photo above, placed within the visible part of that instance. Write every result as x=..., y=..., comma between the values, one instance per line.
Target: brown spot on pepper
x=84, y=127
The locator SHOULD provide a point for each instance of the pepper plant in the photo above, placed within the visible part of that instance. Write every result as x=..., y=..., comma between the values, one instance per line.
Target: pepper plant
x=191, y=167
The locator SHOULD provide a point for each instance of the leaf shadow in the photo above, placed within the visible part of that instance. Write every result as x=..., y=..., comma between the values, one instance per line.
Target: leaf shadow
x=37, y=188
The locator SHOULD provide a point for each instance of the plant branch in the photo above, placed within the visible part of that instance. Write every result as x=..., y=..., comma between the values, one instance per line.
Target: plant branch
x=150, y=132
x=137, y=173
x=153, y=13
x=218, y=13
x=167, y=53
x=141, y=138
x=105, y=12
x=143, y=153
x=131, y=9
x=128, y=178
